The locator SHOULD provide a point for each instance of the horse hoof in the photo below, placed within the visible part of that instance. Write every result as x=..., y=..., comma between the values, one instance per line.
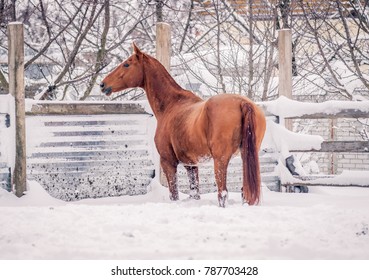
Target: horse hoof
x=173, y=197
x=223, y=198
x=222, y=205
x=245, y=203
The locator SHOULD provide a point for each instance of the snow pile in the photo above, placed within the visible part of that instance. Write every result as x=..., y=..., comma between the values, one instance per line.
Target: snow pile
x=285, y=107
x=283, y=140
x=323, y=224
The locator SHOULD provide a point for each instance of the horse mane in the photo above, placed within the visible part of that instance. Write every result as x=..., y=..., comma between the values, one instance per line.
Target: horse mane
x=176, y=91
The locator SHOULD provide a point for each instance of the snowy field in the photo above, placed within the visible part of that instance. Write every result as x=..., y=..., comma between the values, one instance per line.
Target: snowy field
x=327, y=223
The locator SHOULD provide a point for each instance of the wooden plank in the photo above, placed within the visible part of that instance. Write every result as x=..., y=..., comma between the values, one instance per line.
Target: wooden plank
x=79, y=108
x=340, y=147
x=16, y=88
x=314, y=183
x=343, y=113
x=163, y=44
x=163, y=54
x=285, y=67
x=317, y=111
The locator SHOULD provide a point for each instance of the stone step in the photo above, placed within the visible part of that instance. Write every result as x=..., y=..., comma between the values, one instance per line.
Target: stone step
x=230, y=180
x=86, y=172
x=96, y=143
x=112, y=132
x=83, y=165
x=95, y=123
x=209, y=188
x=117, y=154
x=72, y=188
x=234, y=170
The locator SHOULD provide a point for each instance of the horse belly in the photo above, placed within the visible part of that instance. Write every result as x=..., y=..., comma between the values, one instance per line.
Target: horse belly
x=191, y=150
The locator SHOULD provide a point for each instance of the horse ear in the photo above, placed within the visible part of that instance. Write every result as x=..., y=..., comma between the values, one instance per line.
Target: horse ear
x=136, y=50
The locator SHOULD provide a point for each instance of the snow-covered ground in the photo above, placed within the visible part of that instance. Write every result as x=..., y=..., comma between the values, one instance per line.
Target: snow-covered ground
x=327, y=223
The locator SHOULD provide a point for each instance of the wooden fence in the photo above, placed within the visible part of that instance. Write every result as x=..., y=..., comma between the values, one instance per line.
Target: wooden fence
x=341, y=110
x=90, y=150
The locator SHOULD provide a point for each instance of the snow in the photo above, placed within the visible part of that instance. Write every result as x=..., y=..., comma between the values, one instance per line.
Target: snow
x=280, y=139
x=326, y=223
x=29, y=103
x=285, y=107
x=7, y=141
x=346, y=178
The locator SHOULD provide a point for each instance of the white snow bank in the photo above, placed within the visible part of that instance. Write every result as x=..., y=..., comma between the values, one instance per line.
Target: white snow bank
x=327, y=223
x=285, y=107
x=283, y=140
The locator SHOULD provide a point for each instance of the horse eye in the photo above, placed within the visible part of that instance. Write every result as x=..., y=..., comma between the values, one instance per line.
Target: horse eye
x=125, y=65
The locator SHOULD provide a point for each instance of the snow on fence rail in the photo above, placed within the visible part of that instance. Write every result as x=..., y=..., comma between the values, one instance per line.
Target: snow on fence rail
x=284, y=108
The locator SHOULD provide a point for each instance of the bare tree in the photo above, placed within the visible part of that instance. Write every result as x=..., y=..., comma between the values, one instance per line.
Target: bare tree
x=218, y=45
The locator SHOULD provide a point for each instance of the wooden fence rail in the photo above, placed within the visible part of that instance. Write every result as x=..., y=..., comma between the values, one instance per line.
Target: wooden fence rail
x=87, y=108
x=337, y=109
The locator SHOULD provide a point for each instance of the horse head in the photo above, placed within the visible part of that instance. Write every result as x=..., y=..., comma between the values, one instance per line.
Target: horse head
x=128, y=74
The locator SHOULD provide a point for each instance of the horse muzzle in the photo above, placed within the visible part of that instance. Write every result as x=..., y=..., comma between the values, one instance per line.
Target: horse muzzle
x=106, y=90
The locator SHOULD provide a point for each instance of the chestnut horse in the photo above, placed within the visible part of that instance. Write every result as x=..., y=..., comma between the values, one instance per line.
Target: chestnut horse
x=190, y=129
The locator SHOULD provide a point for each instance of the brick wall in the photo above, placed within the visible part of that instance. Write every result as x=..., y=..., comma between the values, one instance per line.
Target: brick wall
x=342, y=130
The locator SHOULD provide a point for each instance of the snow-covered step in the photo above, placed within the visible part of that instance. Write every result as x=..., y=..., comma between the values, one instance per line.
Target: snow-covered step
x=95, y=143
x=5, y=176
x=102, y=153
x=268, y=162
x=70, y=188
x=230, y=180
x=97, y=173
x=91, y=122
x=232, y=171
x=77, y=157
x=89, y=166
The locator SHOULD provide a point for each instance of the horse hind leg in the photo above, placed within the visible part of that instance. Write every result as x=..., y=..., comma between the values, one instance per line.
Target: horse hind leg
x=220, y=172
x=193, y=176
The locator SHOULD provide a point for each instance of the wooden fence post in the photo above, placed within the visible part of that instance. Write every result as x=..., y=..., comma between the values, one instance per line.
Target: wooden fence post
x=163, y=44
x=16, y=89
x=163, y=53
x=285, y=67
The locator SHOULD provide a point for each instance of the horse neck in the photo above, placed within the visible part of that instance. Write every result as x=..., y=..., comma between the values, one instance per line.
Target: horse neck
x=162, y=90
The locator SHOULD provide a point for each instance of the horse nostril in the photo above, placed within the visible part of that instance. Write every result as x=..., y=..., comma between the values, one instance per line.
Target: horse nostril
x=102, y=85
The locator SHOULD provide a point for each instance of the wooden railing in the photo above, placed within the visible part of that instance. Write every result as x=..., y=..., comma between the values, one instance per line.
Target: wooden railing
x=288, y=109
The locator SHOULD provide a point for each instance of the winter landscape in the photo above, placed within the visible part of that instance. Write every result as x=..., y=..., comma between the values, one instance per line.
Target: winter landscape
x=118, y=209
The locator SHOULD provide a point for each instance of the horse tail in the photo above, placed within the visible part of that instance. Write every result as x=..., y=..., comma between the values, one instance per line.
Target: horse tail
x=250, y=156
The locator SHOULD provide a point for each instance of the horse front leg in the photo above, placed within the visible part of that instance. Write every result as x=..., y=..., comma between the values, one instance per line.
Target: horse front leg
x=170, y=171
x=193, y=176
x=220, y=171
